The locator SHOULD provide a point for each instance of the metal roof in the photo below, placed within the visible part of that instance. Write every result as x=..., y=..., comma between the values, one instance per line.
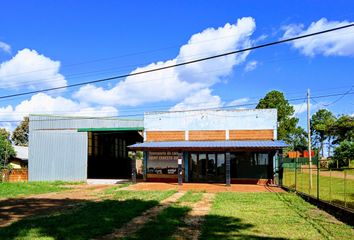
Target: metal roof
x=209, y=145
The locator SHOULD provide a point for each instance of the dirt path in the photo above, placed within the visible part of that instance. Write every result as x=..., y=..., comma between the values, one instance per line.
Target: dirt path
x=14, y=209
x=194, y=219
x=136, y=223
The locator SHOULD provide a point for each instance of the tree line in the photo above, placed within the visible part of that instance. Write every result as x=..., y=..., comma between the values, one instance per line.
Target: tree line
x=335, y=134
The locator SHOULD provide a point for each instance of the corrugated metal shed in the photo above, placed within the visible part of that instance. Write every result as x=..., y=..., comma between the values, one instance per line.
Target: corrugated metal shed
x=58, y=151
x=209, y=144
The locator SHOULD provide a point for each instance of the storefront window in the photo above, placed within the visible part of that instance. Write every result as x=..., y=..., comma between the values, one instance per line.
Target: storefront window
x=211, y=165
x=249, y=165
x=162, y=163
x=220, y=167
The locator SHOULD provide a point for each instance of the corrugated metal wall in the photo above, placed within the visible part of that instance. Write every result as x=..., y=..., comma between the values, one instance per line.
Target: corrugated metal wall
x=58, y=155
x=57, y=151
x=63, y=122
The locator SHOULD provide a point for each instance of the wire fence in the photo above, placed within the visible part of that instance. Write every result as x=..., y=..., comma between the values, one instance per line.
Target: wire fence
x=333, y=185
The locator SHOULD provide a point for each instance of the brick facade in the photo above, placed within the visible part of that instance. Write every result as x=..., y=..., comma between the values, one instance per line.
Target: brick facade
x=251, y=135
x=160, y=136
x=207, y=135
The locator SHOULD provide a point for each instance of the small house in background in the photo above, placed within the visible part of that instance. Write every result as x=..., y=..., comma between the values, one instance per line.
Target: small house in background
x=20, y=161
x=19, y=166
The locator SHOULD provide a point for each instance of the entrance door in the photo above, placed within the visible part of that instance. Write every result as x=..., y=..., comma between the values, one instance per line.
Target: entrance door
x=207, y=167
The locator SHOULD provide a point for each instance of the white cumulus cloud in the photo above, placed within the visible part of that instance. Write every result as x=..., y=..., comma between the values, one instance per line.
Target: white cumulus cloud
x=43, y=103
x=251, y=65
x=5, y=47
x=338, y=43
x=180, y=82
x=29, y=69
x=199, y=100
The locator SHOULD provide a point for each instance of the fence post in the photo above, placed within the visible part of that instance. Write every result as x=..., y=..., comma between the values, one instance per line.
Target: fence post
x=295, y=174
x=330, y=185
x=345, y=188
x=318, y=179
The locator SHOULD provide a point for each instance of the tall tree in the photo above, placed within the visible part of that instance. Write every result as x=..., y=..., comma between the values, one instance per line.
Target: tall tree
x=6, y=150
x=298, y=140
x=287, y=122
x=5, y=133
x=321, y=127
x=343, y=129
x=20, y=134
x=343, y=154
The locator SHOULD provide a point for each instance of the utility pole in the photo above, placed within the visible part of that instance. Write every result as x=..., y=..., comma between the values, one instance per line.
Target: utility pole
x=309, y=137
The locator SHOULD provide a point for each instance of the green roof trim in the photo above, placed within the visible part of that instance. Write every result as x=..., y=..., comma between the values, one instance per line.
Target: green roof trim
x=110, y=129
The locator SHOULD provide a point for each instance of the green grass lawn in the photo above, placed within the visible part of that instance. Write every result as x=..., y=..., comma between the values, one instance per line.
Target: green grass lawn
x=15, y=189
x=332, y=189
x=269, y=216
x=167, y=222
x=191, y=197
x=87, y=220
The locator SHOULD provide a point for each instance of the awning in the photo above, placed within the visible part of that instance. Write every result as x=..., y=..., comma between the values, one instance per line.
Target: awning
x=208, y=145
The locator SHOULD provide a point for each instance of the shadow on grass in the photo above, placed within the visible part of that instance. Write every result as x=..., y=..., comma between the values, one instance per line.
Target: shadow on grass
x=227, y=228
x=84, y=221
x=14, y=208
x=164, y=226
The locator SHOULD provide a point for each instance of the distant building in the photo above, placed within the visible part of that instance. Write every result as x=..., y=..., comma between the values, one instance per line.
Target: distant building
x=20, y=160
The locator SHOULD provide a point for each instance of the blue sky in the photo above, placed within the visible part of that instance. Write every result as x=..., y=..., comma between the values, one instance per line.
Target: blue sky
x=48, y=44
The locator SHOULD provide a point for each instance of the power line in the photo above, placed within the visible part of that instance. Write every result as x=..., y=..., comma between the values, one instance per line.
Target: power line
x=335, y=101
x=179, y=64
x=191, y=110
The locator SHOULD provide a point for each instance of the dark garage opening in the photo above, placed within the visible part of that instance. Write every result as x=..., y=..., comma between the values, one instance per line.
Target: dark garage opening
x=108, y=154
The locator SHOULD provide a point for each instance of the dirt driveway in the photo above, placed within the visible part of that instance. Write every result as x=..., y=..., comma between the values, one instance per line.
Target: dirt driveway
x=14, y=209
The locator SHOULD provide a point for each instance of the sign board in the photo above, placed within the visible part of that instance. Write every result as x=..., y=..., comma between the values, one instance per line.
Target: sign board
x=163, y=156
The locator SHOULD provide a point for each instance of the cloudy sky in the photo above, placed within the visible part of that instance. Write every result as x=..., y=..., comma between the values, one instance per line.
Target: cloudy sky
x=45, y=45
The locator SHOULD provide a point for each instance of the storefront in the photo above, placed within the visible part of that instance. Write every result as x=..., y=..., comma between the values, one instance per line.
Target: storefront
x=221, y=146
x=217, y=161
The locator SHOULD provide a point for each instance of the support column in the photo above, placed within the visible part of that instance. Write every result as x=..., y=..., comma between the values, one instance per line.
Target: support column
x=281, y=169
x=228, y=169
x=133, y=166
x=145, y=160
x=186, y=166
x=180, y=172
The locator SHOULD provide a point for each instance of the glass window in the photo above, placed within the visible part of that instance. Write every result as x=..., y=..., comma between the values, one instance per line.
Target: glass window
x=220, y=166
x=194, y=165
x=202, y=165
x=162, y=162
x=261, y=159
x=211, y=164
